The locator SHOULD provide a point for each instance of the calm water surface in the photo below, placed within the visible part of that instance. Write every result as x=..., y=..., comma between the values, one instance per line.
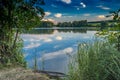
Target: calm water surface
x=52, y=46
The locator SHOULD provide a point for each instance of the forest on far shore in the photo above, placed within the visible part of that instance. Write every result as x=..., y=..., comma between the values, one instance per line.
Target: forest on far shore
x=82, y=23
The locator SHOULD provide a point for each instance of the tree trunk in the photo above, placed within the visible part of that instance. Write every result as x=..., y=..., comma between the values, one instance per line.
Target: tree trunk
x=16, y=36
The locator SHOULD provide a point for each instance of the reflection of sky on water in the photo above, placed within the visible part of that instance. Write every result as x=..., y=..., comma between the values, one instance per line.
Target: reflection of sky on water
x=53, y=48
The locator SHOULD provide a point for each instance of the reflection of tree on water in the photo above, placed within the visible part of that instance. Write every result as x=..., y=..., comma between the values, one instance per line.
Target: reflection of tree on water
x=73, y=30
x=40, y=31
x=50, y=31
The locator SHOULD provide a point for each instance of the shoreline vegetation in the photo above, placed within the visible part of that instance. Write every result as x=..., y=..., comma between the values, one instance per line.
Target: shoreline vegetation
x=97, y=61
x=76, y=24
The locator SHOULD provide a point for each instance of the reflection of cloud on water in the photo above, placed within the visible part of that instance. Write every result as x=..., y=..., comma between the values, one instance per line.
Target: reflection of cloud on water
x=32, y=45
x=55, y=32
x=31, y=40
x=52, y=55
x=56, y=46
x=26, y=54
x=59, y=38
x=37, y=37
x=48, y=40
x=86, y=37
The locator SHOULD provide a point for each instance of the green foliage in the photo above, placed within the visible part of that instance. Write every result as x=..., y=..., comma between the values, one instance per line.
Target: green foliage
x=115, y=14
x=16, y=15
x=104, y=25
x=73, y=24
x=112, y=34
x=98, y=61
x=46, y=24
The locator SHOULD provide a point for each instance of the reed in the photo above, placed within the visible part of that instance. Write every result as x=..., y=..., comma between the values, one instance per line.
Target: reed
x=97, y=61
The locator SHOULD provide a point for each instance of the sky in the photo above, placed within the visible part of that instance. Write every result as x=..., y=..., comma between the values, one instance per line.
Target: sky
x=76, y=10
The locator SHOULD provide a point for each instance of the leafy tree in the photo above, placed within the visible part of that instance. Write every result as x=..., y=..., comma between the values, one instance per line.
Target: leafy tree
x=16, y=15
x=113, y=34
x=115, y=14
x=103, y=25
x=82, y=23
x=46, y=24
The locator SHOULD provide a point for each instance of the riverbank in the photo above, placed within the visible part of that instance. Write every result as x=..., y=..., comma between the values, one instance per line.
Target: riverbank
x=21, y=74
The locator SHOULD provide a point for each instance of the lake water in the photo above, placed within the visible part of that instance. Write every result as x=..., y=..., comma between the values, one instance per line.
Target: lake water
x=52, y=46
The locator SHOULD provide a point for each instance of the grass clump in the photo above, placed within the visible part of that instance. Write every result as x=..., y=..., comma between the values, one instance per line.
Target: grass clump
x=97, y=61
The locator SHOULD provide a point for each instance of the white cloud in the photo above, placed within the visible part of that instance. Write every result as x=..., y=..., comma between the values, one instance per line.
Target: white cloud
x=58, y=38
x=101, y=16
x=86, y=14
x=53, y=5
x=47, y=13
x=67, y=16
x=49, y=19
x=52, y=20
x=52, y=55
x=58, y=15
x=103, y=7
x=32, y=45
x=66, y=1
x=83, y=5
x=78, y=8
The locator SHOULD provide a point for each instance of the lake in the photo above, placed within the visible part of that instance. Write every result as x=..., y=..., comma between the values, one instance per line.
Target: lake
x=51, y=47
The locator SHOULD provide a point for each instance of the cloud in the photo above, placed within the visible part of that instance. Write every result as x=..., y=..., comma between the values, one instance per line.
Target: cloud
x=52, y=20
x=58, y=15
x=49, y=19
x=66, y=1
x=86, y=15
x=78, y=8
x=47, y=13
x=53, y=5
x=32, y=45
x=101, y=16
x=52, y=55
x=67, y=16
x=103, y=7
x=58, y=38
x=83, y=5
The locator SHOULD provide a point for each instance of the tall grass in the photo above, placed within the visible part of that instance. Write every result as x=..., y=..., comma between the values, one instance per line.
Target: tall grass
x=97, y=61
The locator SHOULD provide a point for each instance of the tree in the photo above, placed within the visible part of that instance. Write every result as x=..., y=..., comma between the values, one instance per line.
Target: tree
x=113, y=34
x=46, y=24
x=16, y=15
x=103, y=25
x=115, y=14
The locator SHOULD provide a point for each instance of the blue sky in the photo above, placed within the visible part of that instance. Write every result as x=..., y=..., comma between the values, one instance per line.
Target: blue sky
x=75, y=10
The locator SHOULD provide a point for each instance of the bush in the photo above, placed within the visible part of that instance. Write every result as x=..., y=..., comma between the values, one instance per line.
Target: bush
x=97, y=61
x=12, y=57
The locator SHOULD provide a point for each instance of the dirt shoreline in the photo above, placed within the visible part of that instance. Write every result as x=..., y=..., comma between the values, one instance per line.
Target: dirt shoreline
x=21, y=74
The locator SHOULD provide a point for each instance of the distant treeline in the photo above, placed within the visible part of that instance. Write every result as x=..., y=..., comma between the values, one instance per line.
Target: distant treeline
x=82, y=23
x=73, y=24
x=46, y=24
